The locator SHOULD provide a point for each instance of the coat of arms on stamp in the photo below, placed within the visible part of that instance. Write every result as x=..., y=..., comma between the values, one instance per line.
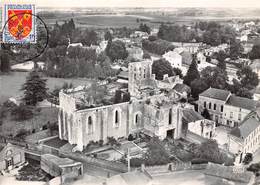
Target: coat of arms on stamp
x=19, y=25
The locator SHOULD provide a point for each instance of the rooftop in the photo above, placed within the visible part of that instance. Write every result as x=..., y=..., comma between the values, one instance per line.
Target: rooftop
x=190, y=115
x=255, y=64
x=57, y=160
x=55, y=142
x=246, y=128
x=244, y=103
x=181, y=88
x=123, y=75
x=218, y=94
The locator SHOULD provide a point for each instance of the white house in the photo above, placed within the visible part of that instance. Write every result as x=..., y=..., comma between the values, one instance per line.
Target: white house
x=245, y=138
x=174, y=58
x=236, y=109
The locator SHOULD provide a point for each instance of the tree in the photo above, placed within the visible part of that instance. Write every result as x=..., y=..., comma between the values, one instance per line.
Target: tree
x=238, y=89
x=255, y=52
x=146, y=55
x=192, y=73
x=221, y=56
x=156, y=154
x=22, y=112
x=4, y=62
x=161, y=67
x=34, y=89
x=108, y=36
x=117, y=50
x=198, y=86
x=214, y=77
x=206, y=114
x=144, y=28
x=236, y=50
x=247, y=77
x=177, y=71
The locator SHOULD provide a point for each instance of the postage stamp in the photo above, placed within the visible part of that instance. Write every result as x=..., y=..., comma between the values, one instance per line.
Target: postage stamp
x=19, y=25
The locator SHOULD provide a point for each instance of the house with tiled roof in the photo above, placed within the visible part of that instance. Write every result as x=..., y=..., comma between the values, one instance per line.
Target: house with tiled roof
x=236, y=109
x=225, y=108
x=213, y=100
x=197, y=124
x=246, y=137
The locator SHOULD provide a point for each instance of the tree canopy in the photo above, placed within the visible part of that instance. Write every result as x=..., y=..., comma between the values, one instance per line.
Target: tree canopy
x=117, y=50
x=34, y=89
x=161, y=67
x=192, y=72
x=247, y=77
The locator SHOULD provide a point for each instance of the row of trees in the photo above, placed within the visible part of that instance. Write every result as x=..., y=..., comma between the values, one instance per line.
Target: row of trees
x=157, y=46
x=213, y=33
x=62, y=34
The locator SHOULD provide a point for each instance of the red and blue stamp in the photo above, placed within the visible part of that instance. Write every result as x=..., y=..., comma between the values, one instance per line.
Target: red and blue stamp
x=19, y=24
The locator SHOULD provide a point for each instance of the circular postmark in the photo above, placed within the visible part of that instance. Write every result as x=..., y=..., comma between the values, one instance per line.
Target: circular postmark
x=26, y=41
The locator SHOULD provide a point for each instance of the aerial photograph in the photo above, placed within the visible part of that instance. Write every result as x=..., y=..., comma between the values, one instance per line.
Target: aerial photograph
x=129, y=92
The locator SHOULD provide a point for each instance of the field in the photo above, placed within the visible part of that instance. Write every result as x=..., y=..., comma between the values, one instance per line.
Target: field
x=11, y=84
x=120, y=17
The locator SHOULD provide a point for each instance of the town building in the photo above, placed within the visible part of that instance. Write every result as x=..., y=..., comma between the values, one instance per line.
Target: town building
x=10, y=157
x=255, y=66
x=192, y=47
x=198, y=124
x=213, y=100
x=246, y=138
x=236, y=109
x=154, y=108
x=67, y=169
x=174, y=58
x=225, y=108
x=135, y=52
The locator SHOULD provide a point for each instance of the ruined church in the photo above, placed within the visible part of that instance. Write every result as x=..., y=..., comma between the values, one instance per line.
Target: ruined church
x=153, y=107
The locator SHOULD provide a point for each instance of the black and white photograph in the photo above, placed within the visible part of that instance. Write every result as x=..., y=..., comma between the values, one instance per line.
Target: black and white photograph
x=129, y=92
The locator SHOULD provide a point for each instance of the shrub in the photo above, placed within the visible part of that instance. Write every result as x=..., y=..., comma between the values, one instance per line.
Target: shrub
x=101, y=142
x=136, y=162
x=199, y=161
x=21, y=134
x=22, y=112
x=130, y=137
x=248, y=158
x=254, y=168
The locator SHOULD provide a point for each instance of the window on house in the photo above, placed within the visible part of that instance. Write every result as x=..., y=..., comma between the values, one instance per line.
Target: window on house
x=116, y=118
x=137, y=119
x=215, y=106
x=239, y=117
x=135, y=76
x=231, y=115
x=170, y=116
x=221, y=108
x=90, y=125
x=205, y=104
x=209, y=105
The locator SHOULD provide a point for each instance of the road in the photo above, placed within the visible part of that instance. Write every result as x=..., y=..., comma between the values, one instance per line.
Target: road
x=191, y=177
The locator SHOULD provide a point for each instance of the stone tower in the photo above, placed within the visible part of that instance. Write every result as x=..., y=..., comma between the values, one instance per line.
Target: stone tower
x=140, y=74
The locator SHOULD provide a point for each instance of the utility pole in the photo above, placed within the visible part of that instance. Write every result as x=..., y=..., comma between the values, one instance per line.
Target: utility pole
x=128, y=160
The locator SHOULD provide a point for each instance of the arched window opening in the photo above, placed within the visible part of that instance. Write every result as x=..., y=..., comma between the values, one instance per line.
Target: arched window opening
x=116, y=118
x=170, y=116
x=90, y=125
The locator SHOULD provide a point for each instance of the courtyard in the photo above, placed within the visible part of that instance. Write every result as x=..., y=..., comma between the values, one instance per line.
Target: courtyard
x=221, y=136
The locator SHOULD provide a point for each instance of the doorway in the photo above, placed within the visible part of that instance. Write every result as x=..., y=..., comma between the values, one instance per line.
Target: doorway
x=170, y=133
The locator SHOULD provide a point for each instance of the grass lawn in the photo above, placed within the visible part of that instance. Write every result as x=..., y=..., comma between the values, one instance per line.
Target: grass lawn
x=11, y=84
x=45, y=115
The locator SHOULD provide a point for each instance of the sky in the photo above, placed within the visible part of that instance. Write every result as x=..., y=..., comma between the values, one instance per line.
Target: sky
x=144, y=3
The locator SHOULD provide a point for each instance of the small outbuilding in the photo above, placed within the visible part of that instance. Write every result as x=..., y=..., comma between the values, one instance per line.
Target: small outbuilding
x=66, y=168
x=11, y=156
